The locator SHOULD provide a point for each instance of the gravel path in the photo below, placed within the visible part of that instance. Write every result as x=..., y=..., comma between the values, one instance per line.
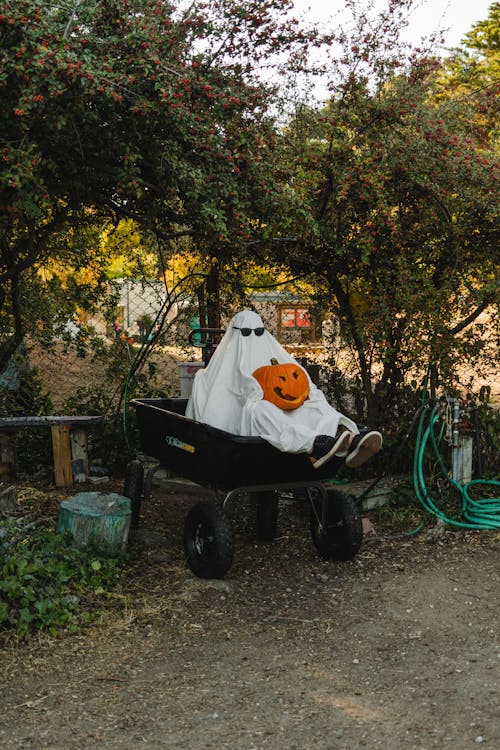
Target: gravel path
x=398, y=648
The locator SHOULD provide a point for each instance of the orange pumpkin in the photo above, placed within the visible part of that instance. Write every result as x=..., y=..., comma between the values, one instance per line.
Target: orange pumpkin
x=286, y=385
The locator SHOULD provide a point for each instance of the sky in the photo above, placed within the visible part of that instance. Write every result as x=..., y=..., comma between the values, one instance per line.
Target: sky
x=458, y=15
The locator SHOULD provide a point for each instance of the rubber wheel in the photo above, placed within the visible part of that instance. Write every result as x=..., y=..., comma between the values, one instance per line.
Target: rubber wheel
x=343, y=535
x=208, y=540
x=132, y=488
x=266, y=518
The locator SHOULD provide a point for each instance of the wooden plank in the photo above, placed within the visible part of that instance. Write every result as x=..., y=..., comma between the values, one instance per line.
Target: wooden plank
x=61, y=449
x=79, y=455
x=75, y=421
x=64, y=449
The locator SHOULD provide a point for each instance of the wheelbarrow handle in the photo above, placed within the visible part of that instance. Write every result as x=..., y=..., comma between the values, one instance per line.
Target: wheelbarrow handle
x=208, y=344
x=207, y=338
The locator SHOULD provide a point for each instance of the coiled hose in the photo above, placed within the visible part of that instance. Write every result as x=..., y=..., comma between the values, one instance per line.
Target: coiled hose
x=474, y=514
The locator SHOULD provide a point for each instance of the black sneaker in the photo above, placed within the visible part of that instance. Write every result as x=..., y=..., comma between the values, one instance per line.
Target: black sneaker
x=363, y=447
x=325, y=447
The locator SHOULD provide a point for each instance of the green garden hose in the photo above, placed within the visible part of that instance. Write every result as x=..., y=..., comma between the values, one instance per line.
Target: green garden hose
x=474, y=514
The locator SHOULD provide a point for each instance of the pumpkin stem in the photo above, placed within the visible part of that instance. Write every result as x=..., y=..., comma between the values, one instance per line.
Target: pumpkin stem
x=274, y=361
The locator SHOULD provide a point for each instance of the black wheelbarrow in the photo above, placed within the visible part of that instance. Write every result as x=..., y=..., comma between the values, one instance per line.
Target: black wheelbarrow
x=232, y=465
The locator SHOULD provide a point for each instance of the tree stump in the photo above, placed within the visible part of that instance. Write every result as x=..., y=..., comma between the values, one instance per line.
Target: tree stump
x=98, y=521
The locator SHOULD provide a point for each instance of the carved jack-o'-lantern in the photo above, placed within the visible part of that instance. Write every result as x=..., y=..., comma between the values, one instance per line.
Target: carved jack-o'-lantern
x=285, y=385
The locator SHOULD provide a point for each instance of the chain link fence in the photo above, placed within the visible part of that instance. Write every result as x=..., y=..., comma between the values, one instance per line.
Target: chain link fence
x=135, y=345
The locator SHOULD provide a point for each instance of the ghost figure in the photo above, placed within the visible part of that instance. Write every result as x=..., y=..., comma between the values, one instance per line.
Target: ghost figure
x=226, y=395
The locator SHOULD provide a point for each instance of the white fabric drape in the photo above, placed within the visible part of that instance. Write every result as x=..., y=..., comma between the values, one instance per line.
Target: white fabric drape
x=225, y=395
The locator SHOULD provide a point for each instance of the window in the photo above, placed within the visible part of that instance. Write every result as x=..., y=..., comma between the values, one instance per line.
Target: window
x=296, y=324
x=295, y=317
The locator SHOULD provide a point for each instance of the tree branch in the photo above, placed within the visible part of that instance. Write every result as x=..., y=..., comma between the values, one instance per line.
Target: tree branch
x=487, y=301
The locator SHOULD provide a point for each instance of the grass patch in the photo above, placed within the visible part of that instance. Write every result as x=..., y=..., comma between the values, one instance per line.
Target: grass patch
x=401, y=514
x=47, y=584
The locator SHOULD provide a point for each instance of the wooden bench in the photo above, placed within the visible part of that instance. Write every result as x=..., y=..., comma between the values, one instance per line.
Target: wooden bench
x=69, y=445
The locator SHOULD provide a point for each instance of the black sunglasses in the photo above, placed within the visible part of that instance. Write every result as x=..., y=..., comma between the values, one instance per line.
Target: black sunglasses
x=248, y=331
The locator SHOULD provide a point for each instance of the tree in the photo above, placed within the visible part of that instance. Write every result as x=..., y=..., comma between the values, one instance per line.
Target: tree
x=128, y=252
x=473, y=71
x=399, y=210
x=143, y=109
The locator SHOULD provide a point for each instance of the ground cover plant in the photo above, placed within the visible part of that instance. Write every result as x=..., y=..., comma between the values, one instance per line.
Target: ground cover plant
x=46, y=583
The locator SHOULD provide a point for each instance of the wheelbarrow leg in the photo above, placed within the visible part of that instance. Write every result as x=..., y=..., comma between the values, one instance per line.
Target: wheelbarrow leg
x=133, y=486
x=137, y=487
x=322, y=515
x=148, y=481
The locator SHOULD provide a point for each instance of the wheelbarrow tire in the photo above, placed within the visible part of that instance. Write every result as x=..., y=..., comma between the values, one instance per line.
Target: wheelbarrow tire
x=266, y=518
x=208, y=540
x=343, y=535
x=132, y=488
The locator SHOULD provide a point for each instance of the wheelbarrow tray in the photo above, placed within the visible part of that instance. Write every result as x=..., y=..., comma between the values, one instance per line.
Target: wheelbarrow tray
x=215, y=458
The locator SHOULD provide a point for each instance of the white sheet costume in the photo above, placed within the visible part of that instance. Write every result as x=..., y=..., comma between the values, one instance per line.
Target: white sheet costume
x=225, y=394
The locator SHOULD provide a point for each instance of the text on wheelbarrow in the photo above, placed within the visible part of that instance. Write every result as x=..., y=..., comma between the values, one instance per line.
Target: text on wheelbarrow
x=176, y=443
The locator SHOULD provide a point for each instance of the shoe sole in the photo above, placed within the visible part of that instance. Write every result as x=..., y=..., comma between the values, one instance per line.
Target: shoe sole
x=340, y=443
x=367, y=447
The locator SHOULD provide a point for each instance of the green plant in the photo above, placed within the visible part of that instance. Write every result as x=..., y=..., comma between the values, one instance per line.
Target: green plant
x=117, y=435
x=401, y=514
x=48, y=584
x=489, y=430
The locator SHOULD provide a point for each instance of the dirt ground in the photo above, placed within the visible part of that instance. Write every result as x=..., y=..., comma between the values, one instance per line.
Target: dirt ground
x=398, y=648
